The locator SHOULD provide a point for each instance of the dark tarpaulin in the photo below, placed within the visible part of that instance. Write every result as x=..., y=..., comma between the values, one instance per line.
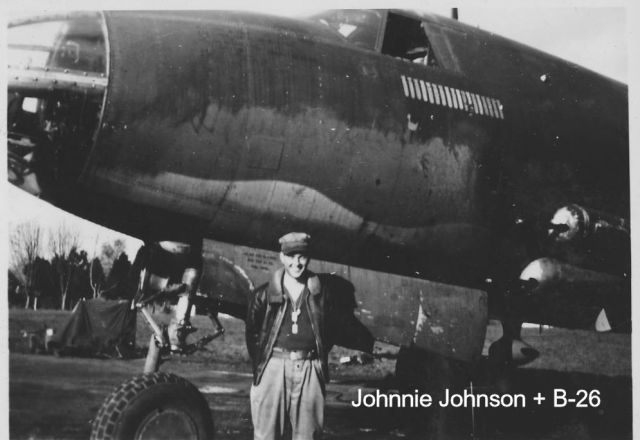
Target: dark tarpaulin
x=99, y=327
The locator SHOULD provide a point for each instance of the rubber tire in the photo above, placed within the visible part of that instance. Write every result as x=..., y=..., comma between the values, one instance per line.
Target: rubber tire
x=143, y=399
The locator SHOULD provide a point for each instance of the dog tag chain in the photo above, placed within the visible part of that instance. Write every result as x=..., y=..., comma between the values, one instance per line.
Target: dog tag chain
x=295, y=312
x=294, y=320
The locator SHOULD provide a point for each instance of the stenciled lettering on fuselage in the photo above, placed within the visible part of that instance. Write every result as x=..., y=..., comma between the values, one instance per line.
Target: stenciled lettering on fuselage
x=463, y=100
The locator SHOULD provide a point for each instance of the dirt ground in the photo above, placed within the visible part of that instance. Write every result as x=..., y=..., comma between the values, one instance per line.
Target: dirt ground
x=57, y=398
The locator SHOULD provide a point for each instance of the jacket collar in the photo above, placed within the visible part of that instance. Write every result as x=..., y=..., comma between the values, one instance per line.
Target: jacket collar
x=276, y=290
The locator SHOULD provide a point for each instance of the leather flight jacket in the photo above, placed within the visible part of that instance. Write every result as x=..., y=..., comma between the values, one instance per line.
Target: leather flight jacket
x=330, y=303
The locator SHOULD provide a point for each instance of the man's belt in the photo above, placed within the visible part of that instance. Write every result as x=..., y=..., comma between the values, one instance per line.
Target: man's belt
x=295, y=355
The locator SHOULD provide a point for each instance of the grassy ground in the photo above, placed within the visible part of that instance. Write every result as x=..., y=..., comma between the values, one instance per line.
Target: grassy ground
x=561, y=350
x=227, y=349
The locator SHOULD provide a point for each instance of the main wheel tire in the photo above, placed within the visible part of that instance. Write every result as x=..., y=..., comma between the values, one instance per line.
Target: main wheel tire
x=153, y=407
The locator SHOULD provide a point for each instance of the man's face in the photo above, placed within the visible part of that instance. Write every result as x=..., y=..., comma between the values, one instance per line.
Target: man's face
x=295, y=264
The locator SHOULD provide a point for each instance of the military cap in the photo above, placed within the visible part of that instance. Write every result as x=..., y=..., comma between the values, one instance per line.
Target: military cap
x=295, y=243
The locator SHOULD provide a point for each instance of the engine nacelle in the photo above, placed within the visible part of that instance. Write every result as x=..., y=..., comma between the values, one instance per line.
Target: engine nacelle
x=565, y=295
x=573, y=222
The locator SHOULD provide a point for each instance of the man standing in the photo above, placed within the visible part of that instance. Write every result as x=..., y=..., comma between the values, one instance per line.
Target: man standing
x=287, y=344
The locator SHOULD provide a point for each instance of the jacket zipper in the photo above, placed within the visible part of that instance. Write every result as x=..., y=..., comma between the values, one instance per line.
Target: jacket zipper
x=315, y=333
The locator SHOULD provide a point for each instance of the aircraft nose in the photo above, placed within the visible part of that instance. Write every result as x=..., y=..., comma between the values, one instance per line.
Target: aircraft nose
x=57, y=79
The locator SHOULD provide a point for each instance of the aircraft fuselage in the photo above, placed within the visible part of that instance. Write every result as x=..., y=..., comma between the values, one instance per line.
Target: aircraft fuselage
x=240, y=127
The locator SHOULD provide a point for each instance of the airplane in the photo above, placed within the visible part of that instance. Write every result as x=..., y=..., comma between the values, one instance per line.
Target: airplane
x=446, y=173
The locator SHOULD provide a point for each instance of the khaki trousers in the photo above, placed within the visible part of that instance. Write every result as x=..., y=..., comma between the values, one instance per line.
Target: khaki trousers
x=293, y=390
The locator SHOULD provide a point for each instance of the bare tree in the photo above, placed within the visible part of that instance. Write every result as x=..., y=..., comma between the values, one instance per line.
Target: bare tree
x=63, y=239
x=25, y=242
x=96, y=271
x=63, y=243
x=96, y=277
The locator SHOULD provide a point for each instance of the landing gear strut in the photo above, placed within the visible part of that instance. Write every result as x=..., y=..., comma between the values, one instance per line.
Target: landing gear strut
x=158, y=405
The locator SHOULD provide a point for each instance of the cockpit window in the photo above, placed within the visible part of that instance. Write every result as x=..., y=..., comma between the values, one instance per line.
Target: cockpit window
x=75, y=45
x=359, y=27
x=405, y=38
x=57, y=80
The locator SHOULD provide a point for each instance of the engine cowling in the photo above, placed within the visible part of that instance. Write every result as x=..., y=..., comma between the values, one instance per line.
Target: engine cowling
x=569, y=296
x=572, y=222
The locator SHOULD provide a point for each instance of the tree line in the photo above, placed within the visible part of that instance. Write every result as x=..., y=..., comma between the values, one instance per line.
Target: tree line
x=68, y=273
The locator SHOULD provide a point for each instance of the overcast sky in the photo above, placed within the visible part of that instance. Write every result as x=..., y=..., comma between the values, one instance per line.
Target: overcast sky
x=583, y=32
x=593, y=37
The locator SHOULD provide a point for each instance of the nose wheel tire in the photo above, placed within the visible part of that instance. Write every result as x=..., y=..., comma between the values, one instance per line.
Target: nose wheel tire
x=153, y=407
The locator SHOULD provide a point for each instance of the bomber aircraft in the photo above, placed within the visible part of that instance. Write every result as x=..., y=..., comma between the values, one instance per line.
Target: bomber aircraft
x=446, y=174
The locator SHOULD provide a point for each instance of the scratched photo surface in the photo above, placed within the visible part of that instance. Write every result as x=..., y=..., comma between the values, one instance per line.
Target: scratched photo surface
x=463, y=175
